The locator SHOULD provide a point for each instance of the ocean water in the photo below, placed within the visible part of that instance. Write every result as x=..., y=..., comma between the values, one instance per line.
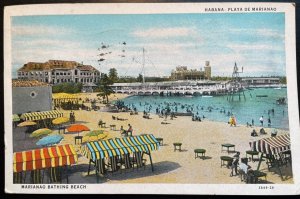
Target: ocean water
x=213, y=108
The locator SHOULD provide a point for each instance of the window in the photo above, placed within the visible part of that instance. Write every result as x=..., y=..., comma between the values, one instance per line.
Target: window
x=33, y=94
x=65, y=73
x=57, y=80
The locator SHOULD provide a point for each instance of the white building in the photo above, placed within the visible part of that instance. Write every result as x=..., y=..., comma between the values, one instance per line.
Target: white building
x=59, y=71
x=256, y=81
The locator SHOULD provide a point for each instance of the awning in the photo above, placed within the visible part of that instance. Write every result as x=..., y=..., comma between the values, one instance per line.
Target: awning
x=41, y=115
x=64, y=96
x=119, y=146
x=272, y=145
x=44, y=158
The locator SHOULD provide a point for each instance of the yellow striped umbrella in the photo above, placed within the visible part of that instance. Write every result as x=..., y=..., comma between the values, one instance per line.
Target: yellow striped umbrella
x=27, y=123
x=60, y=120
x=40, y=132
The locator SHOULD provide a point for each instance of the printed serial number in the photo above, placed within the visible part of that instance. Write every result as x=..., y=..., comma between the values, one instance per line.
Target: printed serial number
x=266, y=187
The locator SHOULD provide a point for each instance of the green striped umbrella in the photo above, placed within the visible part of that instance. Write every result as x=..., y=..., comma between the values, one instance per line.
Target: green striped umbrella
x=16, y=118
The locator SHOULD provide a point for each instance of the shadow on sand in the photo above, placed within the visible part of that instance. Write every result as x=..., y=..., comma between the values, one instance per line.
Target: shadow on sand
x=78, y=173
x=159, y=168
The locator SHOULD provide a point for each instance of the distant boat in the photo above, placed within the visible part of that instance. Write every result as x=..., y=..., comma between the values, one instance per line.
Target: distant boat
x=277, y=88
x=207, y=96
x=261, y=95
x=183, y=114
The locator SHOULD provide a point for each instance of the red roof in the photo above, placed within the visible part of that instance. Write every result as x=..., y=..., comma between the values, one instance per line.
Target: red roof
x=54, y=64
x=28, y=83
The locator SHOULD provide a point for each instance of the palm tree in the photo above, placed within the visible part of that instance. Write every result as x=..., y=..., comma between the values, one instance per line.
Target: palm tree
x=104, y=87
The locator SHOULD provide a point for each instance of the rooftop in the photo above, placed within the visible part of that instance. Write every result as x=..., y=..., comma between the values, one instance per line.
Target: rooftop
x=27, y=83
x=55, y=64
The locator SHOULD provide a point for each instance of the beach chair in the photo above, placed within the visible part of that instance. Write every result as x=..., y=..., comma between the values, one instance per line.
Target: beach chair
x=99, y=166
x=19, y=178
x=124, y=161
x=55, y=174
x=112, y=164
x=36, y=176
x=137, y=159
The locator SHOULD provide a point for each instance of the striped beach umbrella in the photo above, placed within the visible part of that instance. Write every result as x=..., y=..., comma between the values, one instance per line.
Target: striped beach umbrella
x=27, y=123
x=40, y=132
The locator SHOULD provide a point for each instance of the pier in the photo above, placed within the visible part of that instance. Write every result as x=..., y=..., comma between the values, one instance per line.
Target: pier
x=204, y=87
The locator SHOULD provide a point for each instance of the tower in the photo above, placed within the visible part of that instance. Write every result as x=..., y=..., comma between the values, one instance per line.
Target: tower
x=207, y=70
x=235, y=84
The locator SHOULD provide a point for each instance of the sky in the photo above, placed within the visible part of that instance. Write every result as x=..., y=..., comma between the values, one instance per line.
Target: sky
x=255, y=41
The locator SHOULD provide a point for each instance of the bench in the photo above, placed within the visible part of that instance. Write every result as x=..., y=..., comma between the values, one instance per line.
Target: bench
x=228, y=146
x=177, y=146
x=161, y=141
x=252, y=153
x=79, y=138
x=112, y=127
x=226, y=159
x=200, y=151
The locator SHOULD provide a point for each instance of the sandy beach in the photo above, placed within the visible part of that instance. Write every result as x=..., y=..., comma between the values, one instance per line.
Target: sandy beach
x=170, y=166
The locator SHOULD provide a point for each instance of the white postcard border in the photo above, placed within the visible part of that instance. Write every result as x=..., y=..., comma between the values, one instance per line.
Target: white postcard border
x=152, y=8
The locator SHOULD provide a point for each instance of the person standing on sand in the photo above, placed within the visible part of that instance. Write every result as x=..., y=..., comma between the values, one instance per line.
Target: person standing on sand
x=234, y=120
x=235, y=163
x=261, y=119
x=130, y=130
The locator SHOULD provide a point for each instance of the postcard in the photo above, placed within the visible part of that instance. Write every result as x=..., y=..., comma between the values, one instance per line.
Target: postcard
x=168, y=98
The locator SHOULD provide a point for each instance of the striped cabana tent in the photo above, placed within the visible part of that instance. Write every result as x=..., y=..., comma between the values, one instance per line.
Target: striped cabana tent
x=272, y=147
x=34, y=116
x=117, y=147
x=64, y=97
x=50, y=157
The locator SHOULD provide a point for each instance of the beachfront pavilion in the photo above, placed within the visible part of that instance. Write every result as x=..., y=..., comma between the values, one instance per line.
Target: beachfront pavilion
x=59, y=98
x=275, y=149
x=50, y=163
x=118, y=152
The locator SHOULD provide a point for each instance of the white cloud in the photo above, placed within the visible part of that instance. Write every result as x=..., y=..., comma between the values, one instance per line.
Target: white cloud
x=165, y=32
x=49, y=43
x=23, y=56
x=263, y=32
x=38, y=30
x=255, y=47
